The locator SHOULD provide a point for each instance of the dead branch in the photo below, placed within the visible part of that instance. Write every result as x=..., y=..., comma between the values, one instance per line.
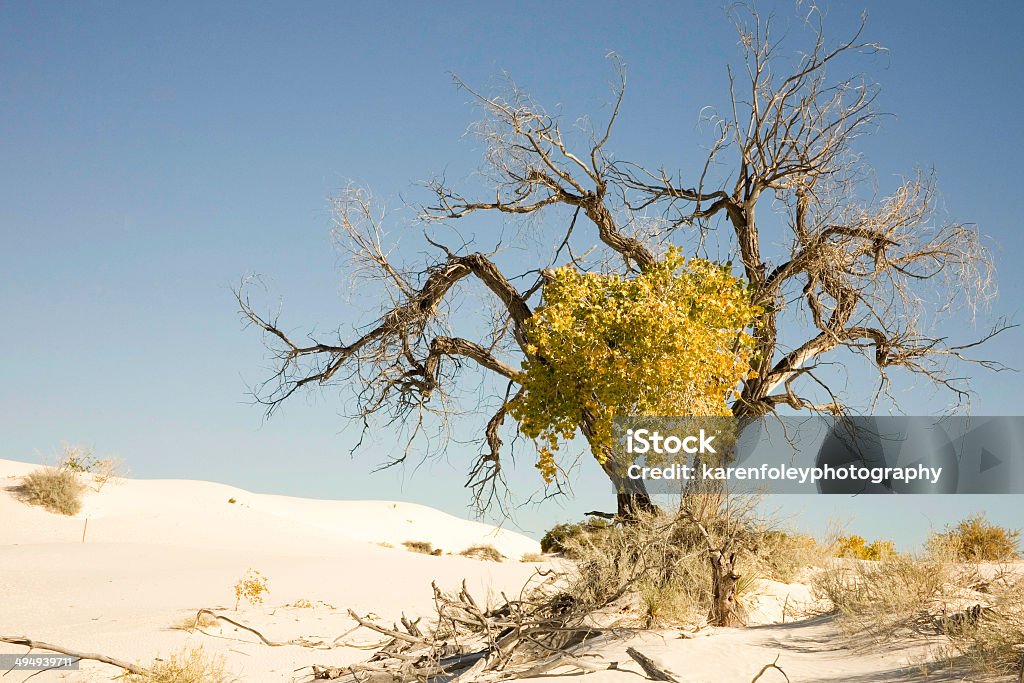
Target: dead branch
x=653, y=670
x=38, y=644
x=768, y=667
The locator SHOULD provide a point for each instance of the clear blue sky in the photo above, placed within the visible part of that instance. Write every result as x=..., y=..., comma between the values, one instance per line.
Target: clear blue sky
x=152, y=154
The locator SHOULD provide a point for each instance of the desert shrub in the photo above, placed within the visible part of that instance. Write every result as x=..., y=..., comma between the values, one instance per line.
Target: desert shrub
x=251, y=588
x=657, y=568
x=783, y=555
x=898, y=593
x=82, y=460
x=483, y=552
x=57, y=490
x=532, y=557
x=976, y=539
x=857, y=548
x=424, y=547
x=561, y=538
x=187, y=666
x=993, y=641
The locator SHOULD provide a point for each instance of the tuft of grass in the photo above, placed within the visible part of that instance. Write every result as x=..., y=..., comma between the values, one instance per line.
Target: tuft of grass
x=57, y=490
x=424, y=547
x=532, y=557
x=186, y=666
x=232, y=500
x=483, y=552
x=976, y=539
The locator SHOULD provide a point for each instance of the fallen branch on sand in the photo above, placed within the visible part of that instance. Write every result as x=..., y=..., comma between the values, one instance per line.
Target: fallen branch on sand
x=654, y=671
x=768, y=667
x=39, y=645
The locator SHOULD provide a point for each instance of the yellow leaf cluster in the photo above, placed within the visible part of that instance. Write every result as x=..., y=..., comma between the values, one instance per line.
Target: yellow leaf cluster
x=670, y=341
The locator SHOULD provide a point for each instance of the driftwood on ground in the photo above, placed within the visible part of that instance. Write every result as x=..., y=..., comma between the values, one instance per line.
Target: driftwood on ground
x=39, y=645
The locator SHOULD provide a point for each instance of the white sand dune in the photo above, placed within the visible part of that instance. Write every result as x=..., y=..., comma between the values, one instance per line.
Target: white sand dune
x=156, y=551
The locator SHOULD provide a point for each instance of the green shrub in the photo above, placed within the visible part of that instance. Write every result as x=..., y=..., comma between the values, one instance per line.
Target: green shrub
x=975, y=539
x=561, y=538
x=57, y=490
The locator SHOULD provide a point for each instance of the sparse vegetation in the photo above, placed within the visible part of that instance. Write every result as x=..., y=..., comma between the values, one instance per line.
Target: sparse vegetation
x=56, y=489
x=784, y=555
x=993, y=641
x=187, y=666
x=232, y=500
x=82, y=460
x=900, y=593
x=483, y=552
x=532, y=557
x=976, y=539
x=251, y=588
x=424, y=547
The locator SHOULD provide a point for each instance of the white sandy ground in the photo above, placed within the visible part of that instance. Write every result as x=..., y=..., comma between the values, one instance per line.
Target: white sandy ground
x=157, y=550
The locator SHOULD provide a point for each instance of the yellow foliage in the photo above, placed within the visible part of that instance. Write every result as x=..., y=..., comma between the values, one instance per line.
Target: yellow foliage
x=251, y=588
x=856, y=547
x=670, y=341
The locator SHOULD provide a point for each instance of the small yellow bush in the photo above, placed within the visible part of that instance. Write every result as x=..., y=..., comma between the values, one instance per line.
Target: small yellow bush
x=976, y=539
x=251, y=588
x=856, y=547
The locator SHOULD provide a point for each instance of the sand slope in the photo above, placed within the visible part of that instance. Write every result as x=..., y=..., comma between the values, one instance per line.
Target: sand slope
x=156, y=551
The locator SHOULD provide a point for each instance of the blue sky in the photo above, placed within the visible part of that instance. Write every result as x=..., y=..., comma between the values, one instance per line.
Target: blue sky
x=151, y=155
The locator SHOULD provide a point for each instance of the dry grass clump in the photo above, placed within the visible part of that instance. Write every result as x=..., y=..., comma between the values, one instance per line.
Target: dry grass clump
x=785, y=556
x=187, y=666
x=483, y=552
x=899, y=593
x=656, y=568
x=423, y=547
x=532, y=557
x=992, y=640
x=976, y=539
x=57, y=490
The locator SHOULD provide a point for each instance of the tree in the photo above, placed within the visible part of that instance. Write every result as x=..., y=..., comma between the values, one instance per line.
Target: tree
x=852, y=275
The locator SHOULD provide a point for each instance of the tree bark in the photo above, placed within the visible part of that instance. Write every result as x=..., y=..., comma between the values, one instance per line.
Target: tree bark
x=724, y=608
